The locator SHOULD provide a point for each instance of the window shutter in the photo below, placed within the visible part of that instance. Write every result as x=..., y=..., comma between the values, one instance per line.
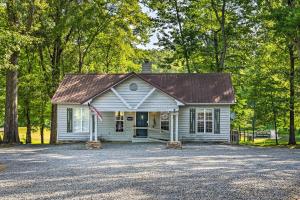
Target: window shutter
x=217, y=120
x=93, y=123
x=192, y=120
x=69, y=120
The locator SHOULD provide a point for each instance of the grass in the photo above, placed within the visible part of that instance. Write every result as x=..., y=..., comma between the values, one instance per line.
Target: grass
x=35, y=136
x=266, y=142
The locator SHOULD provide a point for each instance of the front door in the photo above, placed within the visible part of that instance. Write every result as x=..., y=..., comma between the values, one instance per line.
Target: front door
x=141, y=124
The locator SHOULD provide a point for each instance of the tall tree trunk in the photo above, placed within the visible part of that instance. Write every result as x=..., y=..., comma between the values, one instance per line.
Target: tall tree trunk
x=27, y=101
x=183, y=43
x=55, y=62
x=274, y=118
x=57, y=51
x=220, y=55
x=253, y=128
x=275, y=127
x=224, y=38
x=42, y=118
x=28, y=121
x=292, y=139
x=53, y=135
x=11, y=134
x=253, y=124
x=42, y=127
x=216, y=49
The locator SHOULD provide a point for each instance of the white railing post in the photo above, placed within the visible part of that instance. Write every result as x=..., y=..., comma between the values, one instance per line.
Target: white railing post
x=96, y=121
x=91, y=127
x=172, y=129
x=176, y=128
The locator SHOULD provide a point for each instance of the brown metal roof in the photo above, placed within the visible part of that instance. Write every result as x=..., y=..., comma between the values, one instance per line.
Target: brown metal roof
x=187, y=88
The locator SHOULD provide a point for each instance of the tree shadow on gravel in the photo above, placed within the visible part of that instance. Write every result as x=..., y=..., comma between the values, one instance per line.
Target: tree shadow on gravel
x=152, y=172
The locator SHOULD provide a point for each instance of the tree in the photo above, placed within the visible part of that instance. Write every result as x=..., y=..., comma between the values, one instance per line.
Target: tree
x=11, y=134
x=284, y=15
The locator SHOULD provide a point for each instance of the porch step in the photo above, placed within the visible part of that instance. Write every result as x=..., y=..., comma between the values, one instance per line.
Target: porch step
x=136, y=139
x=157, y=140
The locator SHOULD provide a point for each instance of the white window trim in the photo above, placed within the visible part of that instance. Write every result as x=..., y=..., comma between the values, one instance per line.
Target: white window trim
x=120, y=121
x=162, y=130
x=81, y=122
x=213, y=120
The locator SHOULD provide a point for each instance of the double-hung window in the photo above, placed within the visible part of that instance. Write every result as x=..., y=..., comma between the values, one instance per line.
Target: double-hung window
x=119, y=121
x=164, y=121
x=208, y=121
x=80, y=120
x=200, y=121
x=205, y=121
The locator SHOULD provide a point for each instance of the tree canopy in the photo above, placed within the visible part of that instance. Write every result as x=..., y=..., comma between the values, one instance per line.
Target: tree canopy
x=258, y=42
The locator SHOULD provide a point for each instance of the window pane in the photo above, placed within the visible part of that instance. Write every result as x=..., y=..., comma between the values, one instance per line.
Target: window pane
x=208, y=115
x=200, y=126
x=77, y=120
x=165, y=125
x=85, y=120
x=164, y=121
x=119, y=121
x=119, y=115
x=201, y=115
x=208, y=127
x=119, y=126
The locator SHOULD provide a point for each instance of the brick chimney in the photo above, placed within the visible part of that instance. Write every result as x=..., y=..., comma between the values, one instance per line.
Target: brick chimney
x=147, y=67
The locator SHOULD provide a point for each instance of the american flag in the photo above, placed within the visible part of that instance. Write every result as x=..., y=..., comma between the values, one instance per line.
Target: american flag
x=98, y=113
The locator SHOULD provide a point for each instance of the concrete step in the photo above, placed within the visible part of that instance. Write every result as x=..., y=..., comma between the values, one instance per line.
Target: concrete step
x=157, y=140
x=142, y=140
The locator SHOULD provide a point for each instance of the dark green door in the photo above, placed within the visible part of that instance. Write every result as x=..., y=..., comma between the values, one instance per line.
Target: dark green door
x=141, y=121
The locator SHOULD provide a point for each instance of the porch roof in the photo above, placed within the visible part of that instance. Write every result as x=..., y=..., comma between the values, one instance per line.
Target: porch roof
x=209, y=88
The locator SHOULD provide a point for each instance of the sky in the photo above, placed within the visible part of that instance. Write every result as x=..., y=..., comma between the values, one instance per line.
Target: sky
x=153, y=38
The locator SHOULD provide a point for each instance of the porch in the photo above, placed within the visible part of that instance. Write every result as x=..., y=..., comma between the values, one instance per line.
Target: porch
x=134, y=126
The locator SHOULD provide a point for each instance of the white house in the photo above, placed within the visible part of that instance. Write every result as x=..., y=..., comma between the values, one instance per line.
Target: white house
x=144, y=107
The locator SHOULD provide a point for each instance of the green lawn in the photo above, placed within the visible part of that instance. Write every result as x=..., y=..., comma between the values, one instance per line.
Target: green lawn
x=35, y=136
x=265, y=142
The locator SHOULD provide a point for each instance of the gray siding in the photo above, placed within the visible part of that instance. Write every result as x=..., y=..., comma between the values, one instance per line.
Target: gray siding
x=62, y=134
x=184, y=119
x=107, y=127
x=158, y=101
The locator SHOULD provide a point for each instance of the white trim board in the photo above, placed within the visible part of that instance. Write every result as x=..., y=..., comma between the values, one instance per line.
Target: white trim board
x=121, y=98
x=144, y=99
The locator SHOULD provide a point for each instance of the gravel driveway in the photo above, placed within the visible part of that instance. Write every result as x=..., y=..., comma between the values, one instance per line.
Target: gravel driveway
x=149, y=171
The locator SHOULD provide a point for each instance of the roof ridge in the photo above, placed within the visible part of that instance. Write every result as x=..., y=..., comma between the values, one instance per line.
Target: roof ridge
x=153, y=73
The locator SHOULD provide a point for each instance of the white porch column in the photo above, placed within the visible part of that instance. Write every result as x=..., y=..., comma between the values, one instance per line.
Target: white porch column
x=91, y=127
x=96, y=121
x=176, y=127
x=172, y=129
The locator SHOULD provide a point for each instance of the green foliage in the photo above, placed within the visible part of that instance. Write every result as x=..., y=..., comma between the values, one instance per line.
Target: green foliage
x=51, y=41
x=248, y=39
